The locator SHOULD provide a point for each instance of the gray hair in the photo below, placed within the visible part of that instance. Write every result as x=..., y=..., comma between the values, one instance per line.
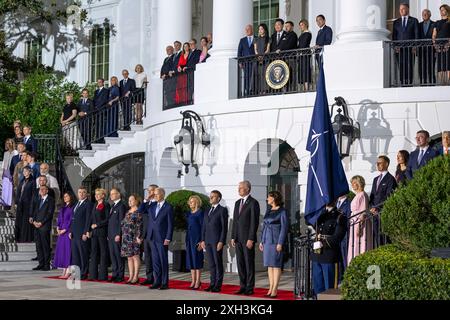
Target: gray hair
x=360, y=180
x=161, y=190
x=247, y=184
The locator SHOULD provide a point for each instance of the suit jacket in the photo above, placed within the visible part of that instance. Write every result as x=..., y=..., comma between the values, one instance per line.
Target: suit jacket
x=144, y=209
x=27, y=195
x=160, y=228
x=87, y=107
x=245, y=224
x=100, y=218
x=288, y=41
x=116, y=215
x=167, y=65
x=14, y=161
x=130, y=86
x=244, y=49
x=410, y=33
x=429, y=155
x=324, y=36
x=215, y=226
x=44, y=213
x=275, y=227
x=193, y=58
x=386, y=187
x=176, y=59
x=80, y=219
x=31, y=144
x=274, y=46
x=429, y=33
x=101, y=98
x=37, y=196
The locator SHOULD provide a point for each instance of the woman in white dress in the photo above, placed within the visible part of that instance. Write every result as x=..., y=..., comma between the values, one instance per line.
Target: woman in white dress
x=141, y=82
x=7, y=181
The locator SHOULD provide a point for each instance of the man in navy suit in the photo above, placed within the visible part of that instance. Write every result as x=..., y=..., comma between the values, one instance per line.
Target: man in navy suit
x=176, y=56
x=382, y=187
x=194, y=55
x=144, y=209
x=169, y=83
x=245, y=49
x=214, y=236
x=278, y=36
x=42, y=217
x=426, y=53
x=445, y=150
x=35, y=167
x=423, y=154
x=101, y=99
x=343, y=205
x=405, y=28
x=324, y=36
x=127, y=87
x=116, y=215
x=29, y=140
x=159, y=232
x=78, y=232
x=85, y=107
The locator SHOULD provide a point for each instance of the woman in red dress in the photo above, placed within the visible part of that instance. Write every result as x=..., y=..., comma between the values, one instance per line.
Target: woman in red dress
x=181, y=96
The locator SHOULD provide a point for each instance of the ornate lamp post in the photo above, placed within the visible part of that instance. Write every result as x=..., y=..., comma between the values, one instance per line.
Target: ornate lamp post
x=191, y=137
x=344, y=130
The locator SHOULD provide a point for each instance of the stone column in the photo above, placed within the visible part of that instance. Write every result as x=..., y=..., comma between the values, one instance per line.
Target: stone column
x=362, y=21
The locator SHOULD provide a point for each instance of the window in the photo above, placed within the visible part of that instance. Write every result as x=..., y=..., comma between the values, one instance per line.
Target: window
x=393, y=12
x=33, y=50
x=99, y=53
x=265, y=11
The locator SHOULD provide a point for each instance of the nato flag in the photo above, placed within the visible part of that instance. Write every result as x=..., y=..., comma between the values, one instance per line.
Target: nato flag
x=326, y=176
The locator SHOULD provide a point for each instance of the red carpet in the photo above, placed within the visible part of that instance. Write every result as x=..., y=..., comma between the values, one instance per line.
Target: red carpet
x=226, y=288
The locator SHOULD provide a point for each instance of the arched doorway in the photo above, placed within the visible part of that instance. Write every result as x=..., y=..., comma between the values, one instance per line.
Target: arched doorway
x=126, y=173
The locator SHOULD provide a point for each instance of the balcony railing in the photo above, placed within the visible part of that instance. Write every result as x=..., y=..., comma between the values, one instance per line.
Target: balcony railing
x=253, y=72
x=178, y=90
x=414, y=63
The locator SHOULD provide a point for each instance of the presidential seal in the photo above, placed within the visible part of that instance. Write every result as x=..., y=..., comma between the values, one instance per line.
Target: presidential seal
x=277, y=74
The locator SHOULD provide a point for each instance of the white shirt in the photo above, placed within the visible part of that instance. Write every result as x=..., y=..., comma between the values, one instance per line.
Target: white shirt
x=424, y=149
x=140, y=78
x=382, y=174
x=44, y=198
x=116, y=202
x=26, y=138
x=245, y=198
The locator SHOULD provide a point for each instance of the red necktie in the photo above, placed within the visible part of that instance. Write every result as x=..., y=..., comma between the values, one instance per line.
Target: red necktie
x=241, y=206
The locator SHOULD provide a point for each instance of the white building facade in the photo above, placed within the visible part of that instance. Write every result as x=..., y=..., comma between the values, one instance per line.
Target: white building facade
x=261, y=139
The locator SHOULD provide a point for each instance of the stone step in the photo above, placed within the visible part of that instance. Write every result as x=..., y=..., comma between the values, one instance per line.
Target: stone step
x=113, y=140
x=126, y=134
x=137, y=127
x=17, y=247
x=86, y=153
x=5, y=222
x=17, y=256
x=17, y=265
x=331, y=294
x=6, y=230
x=9, y=238
x=99, y=146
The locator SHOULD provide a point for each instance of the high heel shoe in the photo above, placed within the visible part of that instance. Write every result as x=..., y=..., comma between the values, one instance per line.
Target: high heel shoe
x=134, y=282
x=199, y=286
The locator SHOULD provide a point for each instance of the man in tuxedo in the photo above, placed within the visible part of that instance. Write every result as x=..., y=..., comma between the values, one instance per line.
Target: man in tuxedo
x=445, y=150
x=127, y=87
x=277, y=36
x=343, y=205
x=324, y=37
x=214, y=237
x=245, y=49
x=85, y=107
x=422, y=155
x=405, y=28
x=194, y=56
x=116, y=215
x=243, y=236
x=144, y=209
x=78, y=232
x=159, y=233
x=29, y=140
x=427, y=60
x=42, y=217
x=101, y=99
x=382, y=187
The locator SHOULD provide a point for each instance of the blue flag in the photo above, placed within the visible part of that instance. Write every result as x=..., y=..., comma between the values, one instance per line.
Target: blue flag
x=326, y=176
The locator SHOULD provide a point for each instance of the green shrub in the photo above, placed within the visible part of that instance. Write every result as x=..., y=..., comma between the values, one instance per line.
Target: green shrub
x=179, y=201
x=404, y=276
x=417, y=216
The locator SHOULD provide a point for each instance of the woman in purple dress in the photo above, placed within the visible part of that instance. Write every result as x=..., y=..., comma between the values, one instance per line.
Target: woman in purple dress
x=62, y=257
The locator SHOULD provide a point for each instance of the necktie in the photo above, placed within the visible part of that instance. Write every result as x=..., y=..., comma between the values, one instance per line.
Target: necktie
x=241, y=206
x=42, y=202
x=125, y=81
x=78, y=204
x=419, y=159
x=404, y=22
x=278, y=38
x=211, y=211
x=84, y=101
x=425, y=28
x=158, y=207
x=379, y=181
x=249, y=39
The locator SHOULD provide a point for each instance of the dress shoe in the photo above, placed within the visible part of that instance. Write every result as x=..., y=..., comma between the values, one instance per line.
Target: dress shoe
x=117, y=280
x=273, y=297
x=240, y=291
x=164, y=287
x=209, y=289
x=248, y=292
x=146, y=282
x=112, y=279
x=216, y=289
x=34, y=259
x=38, y=268
x=155, y=286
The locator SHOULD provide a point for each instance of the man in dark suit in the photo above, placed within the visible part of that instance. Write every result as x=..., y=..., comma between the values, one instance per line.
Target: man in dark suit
x=116, y=215
x=176, y=56
x=43, y=181
x=427, y=60
x=405, y=28
x=101, y=99
x=277, y=36
x=324, y=37
x=245, y=49
x=422, y=155
x=85, y=107
x=289, y=41
x=168, y=63
x=42, y=217
x=127, y=87
x=382, y=187
x=243, y=236
x=214, y=237
x=343, y=205
x=194, y=55
x=159, y=232
x=78, y=232
x=29, y=140
x=144, y=209
x=169, y=83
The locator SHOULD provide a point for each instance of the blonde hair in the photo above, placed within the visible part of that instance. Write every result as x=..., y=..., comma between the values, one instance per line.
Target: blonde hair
x=197, y=199
x=360, y=180
x=115, y=79
x=101, y=191
x=13, y=144
x=138, y=66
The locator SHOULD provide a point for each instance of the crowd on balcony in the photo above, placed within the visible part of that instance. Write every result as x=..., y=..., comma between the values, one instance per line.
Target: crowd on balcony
x=81, y=127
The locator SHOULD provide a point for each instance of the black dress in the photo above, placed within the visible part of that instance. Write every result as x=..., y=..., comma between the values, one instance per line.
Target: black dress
x=259, y=72
x=400, y=176
x=443, y=46
x=26, y=191
x=304, y=72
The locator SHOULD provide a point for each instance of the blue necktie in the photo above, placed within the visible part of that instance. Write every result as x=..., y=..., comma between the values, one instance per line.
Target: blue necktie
x=42, y=203
x=419, y=160
x=404, y=23
x=158, y=207
x=249, y=39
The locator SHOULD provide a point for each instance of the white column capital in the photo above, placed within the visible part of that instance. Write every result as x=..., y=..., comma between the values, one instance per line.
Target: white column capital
x=362, y=21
